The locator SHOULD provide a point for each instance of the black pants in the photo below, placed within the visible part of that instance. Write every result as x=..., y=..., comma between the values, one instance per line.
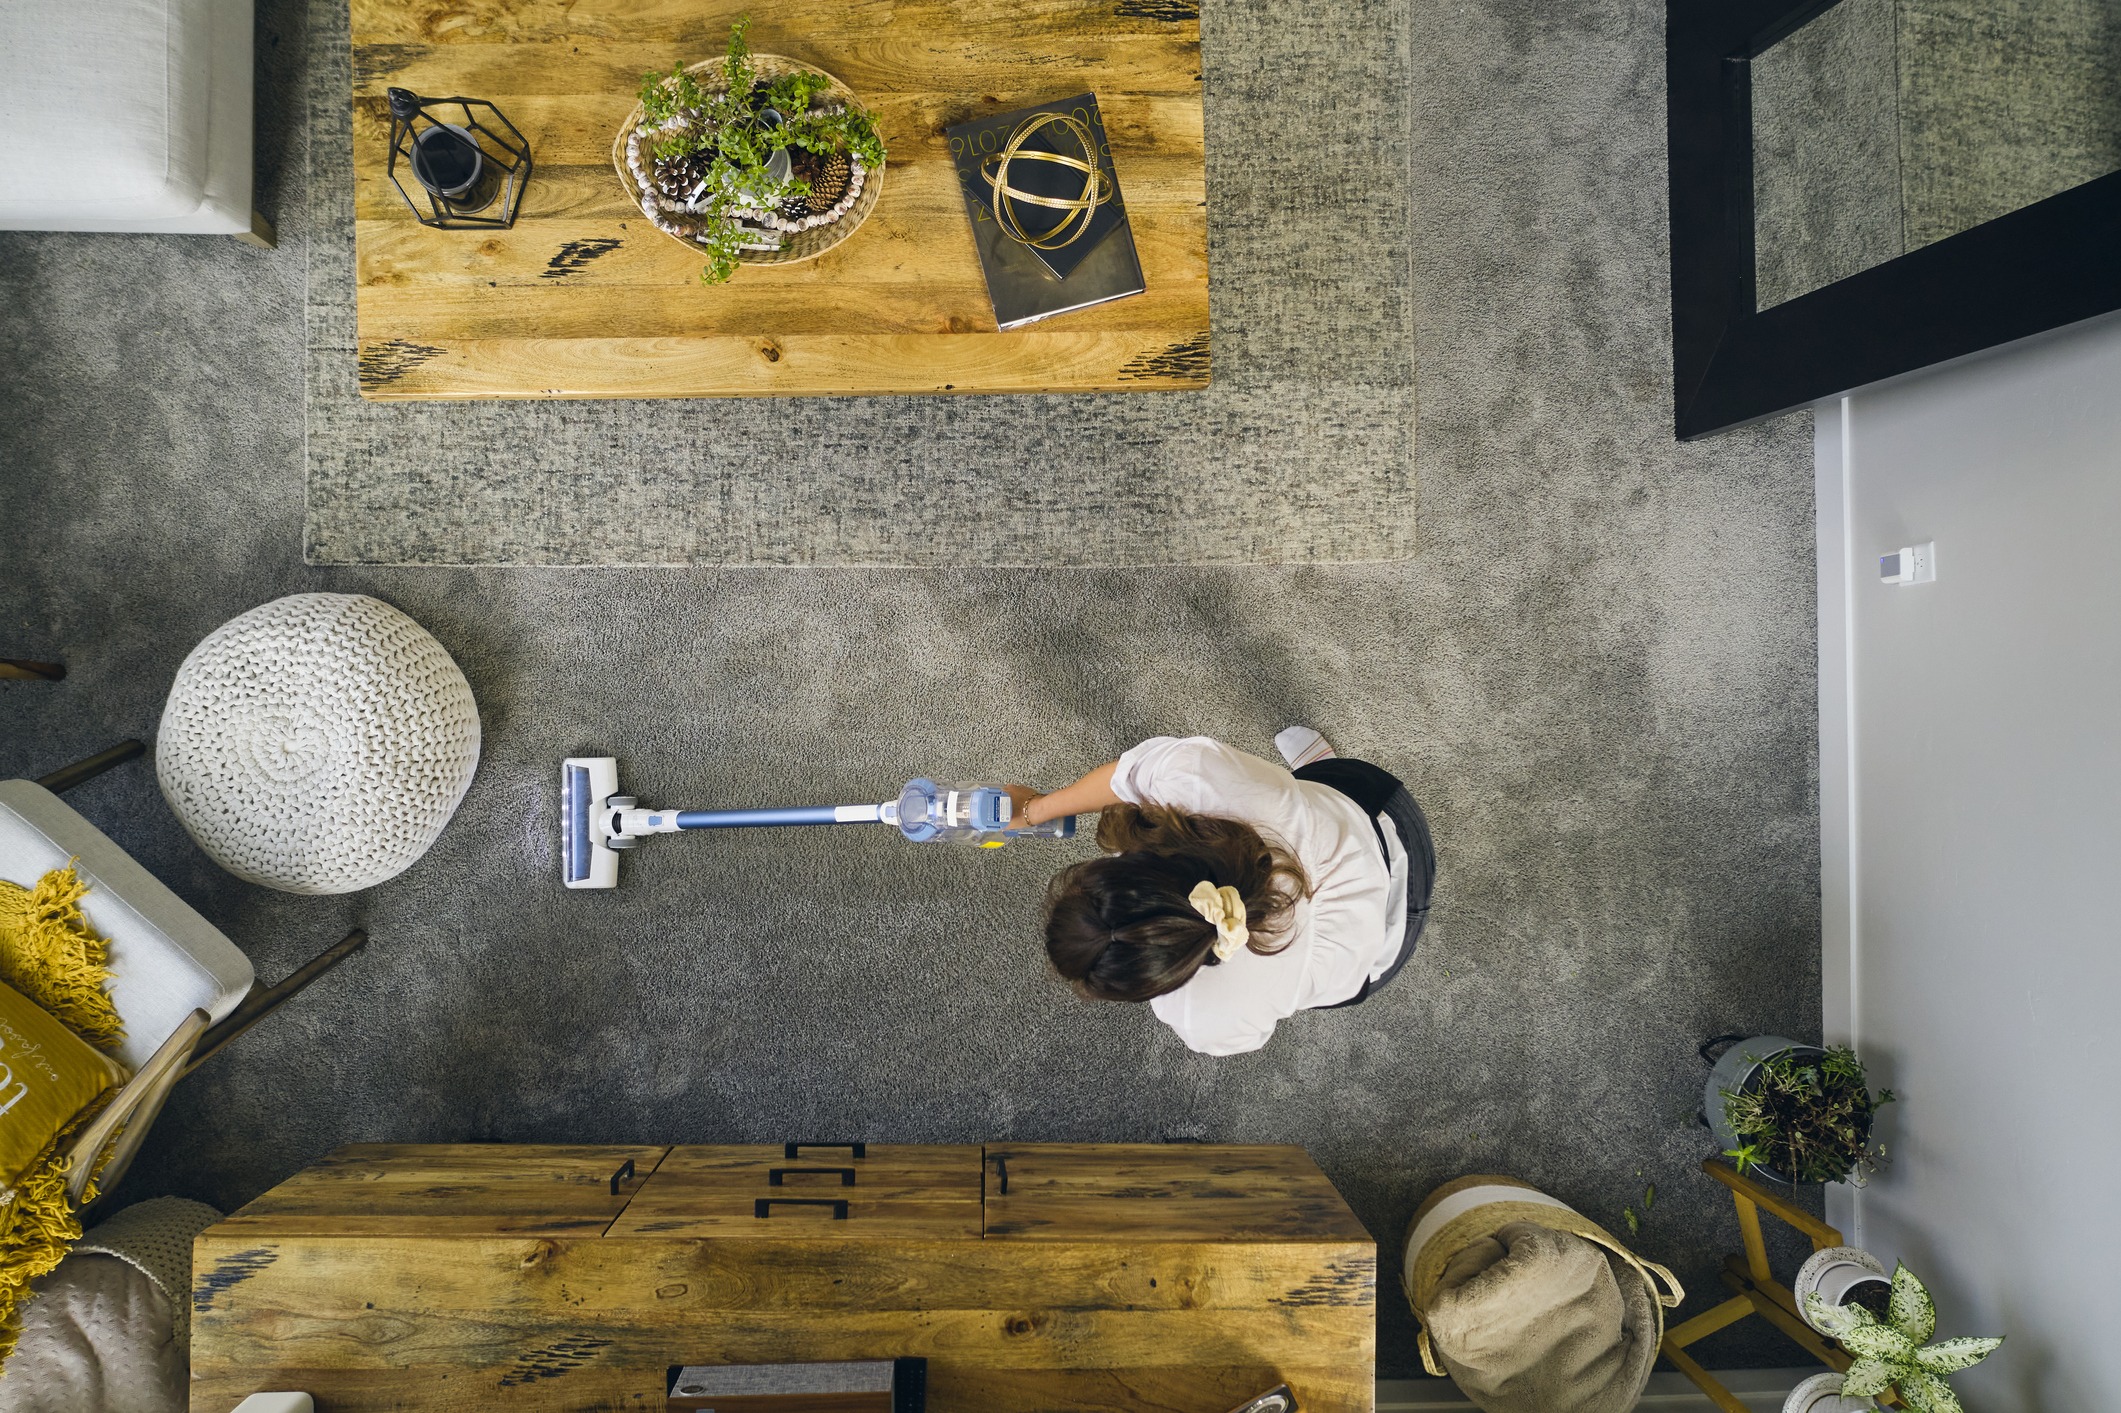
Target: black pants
x=1378, y=792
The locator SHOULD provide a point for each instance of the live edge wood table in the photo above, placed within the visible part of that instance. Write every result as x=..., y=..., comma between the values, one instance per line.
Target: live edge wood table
x=1106, y=1278
x=584, y=298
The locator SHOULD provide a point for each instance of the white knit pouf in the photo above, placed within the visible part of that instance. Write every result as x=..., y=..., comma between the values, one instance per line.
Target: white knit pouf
x=318, y=743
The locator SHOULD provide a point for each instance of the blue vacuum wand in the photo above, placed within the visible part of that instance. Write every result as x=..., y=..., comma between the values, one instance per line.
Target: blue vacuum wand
x=597, y=823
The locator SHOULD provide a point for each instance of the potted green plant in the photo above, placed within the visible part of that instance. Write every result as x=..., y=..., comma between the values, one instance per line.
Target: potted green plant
x=750, y=158
x=1892, y=1354
x=1793, y=1113
x=1842, y=1275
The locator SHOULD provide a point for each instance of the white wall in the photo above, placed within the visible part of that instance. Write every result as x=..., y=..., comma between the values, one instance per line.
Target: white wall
x=1970, y=765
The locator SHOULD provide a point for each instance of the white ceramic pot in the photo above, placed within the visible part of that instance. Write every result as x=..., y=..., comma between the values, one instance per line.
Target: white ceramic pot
x=780, y=166
x=1833, y=1275
x=1821, y=1393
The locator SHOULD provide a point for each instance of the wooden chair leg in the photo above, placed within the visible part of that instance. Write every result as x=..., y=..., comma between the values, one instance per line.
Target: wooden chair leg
x=261, y=233
x=20, y=669
x=66, y=777
x=265, y=998
x=135, y=1104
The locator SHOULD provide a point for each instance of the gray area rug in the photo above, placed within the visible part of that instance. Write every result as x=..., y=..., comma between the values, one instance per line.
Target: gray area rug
x=1299, y=451
x=1597, y=675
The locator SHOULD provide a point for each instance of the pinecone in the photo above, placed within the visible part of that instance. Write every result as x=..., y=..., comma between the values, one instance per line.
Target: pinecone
x=796, y=207
x=676, y=177
x=830, y=184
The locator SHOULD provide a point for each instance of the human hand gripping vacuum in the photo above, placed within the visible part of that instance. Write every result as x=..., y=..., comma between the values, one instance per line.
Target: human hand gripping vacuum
x=597, y=823
x=1088, y=795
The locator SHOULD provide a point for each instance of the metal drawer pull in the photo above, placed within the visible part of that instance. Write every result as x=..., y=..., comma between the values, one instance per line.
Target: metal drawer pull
x=763, y=1207
x=793, y=1151
x=1001, y=1168
x=625, y=1171
x=774, y=1175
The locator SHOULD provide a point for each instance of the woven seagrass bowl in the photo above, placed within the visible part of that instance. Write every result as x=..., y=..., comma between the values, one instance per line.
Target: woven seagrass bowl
x=796, y=245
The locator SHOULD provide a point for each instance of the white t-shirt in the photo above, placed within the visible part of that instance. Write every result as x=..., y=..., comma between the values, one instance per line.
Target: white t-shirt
x=1346, y=933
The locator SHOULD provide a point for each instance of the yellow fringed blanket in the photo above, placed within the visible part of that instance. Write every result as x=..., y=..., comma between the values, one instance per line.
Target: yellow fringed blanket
x=49, y=953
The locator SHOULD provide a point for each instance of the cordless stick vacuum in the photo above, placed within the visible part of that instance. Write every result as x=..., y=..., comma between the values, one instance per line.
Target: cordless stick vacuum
x=597, y=823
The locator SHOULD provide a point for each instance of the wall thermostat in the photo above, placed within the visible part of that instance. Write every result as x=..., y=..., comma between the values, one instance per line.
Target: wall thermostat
x=1914, y=564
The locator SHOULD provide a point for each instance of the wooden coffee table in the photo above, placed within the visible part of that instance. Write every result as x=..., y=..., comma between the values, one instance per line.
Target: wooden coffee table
x=584, y=298
x=1032, y=1277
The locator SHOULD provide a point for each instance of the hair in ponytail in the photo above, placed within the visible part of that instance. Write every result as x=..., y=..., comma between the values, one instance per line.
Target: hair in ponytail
x=1120, y=927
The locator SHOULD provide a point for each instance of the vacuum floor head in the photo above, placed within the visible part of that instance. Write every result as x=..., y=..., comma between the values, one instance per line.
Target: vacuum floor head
x=587, y=859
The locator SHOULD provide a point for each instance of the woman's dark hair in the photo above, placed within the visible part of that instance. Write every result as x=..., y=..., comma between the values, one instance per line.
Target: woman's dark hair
x=1120, y=928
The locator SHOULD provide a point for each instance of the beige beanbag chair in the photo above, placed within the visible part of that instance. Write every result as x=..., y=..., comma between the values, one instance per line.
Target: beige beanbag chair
x=1530, y=1306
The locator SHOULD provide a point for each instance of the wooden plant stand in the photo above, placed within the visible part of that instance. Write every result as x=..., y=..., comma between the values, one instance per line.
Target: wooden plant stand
x=1757, y=1290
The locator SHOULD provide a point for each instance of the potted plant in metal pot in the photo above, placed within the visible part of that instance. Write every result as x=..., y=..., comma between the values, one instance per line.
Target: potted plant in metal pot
x=1792, y=1113
x=1892, y=1354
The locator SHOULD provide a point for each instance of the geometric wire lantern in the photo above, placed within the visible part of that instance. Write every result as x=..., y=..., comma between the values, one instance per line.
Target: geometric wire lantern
x=463, y=168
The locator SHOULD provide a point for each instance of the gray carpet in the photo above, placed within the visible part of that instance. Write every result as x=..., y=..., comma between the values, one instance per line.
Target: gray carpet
x=1598, y=676
x=1299, y=451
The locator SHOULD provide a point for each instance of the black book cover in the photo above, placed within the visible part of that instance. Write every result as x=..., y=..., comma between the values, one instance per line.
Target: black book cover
x=1025, y=284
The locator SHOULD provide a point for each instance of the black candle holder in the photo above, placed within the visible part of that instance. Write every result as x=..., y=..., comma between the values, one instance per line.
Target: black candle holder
x=470, y=175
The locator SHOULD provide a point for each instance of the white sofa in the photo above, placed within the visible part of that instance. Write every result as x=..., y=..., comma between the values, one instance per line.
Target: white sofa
x=127, y=115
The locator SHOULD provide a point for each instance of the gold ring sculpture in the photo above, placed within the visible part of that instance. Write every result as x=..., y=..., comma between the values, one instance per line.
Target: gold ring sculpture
x=1097, y=187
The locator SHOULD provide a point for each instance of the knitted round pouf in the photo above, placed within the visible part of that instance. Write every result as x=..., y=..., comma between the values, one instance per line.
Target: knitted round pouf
x=318, y=743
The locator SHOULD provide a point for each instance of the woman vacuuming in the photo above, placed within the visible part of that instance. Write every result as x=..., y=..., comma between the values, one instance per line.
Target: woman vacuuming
x=1236, y=892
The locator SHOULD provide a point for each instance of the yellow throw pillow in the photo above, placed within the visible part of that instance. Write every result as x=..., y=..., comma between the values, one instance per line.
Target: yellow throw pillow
x=47, y=1076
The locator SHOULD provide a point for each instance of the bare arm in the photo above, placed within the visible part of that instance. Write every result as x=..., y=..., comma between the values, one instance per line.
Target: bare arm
x=1086, y=796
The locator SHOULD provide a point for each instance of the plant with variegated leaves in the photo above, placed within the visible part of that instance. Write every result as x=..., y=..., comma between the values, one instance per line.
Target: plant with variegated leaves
x=1891, y=1354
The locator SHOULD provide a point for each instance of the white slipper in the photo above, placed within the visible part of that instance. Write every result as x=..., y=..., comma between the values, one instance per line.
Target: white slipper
x=1300, y=745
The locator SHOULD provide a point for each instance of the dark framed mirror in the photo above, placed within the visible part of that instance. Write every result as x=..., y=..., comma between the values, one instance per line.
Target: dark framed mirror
x=1861, y=188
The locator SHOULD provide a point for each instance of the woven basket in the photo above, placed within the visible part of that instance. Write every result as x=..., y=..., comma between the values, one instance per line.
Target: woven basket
x=797, y=245
x=1473, y=1207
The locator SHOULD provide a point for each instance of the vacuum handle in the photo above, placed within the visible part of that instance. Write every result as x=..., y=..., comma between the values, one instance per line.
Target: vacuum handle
x=781, y=814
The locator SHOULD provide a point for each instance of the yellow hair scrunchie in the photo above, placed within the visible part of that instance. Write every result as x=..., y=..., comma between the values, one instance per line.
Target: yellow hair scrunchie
x=1224, y=908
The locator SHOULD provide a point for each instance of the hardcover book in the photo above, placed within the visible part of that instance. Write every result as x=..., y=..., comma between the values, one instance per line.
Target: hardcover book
x=1024, y=284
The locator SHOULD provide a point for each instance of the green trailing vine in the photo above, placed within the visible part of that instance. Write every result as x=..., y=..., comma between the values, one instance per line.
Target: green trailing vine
x=725, y=143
